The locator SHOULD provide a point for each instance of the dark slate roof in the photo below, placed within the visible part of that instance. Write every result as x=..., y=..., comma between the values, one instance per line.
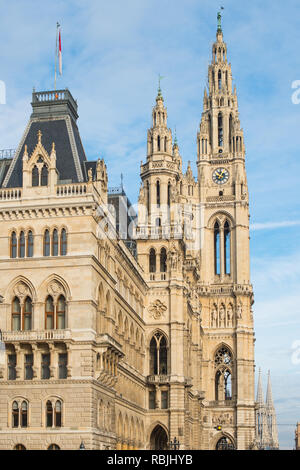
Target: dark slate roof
x=55, y=118
x=4, y=166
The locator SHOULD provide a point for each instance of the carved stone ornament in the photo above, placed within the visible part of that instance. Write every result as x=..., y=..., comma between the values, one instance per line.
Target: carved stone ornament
x=223, y=418
x=21, y=290
x=55, y=289
x=157, y=309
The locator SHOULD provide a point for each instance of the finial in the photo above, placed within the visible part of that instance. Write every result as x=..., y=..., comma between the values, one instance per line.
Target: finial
x=219, y=16
x=39, y=136
x=53, y=146
x=160, y=77
x=122, y=181
x=175, y=138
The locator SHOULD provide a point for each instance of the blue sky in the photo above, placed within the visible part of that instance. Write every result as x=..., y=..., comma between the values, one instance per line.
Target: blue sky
x=112, y=54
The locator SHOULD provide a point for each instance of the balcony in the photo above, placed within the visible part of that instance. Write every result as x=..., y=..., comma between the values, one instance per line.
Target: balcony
x=158, y=379
x=32, y=335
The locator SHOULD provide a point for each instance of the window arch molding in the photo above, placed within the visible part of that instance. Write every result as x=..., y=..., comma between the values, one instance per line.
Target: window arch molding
x=158, y=351
x=19, y=400
x=53, y=399
x=224, y=366
x=46, y=287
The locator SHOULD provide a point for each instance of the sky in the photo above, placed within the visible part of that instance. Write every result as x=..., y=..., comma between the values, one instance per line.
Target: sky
x=112, y=55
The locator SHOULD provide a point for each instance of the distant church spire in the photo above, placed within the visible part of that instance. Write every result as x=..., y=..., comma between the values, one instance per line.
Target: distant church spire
x=266, y=425
x=269, y=398
x=259, y=395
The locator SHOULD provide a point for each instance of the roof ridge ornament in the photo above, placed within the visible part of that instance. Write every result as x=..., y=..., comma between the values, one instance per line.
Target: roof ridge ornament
x=219, y=17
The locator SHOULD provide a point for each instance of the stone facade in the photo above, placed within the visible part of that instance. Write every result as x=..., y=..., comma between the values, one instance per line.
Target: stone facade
x=120, y=351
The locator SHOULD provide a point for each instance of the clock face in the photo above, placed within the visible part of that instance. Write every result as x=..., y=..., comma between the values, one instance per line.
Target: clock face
x=220, y=176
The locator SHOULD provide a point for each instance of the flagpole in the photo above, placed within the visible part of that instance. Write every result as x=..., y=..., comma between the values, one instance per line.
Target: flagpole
x=57, y=26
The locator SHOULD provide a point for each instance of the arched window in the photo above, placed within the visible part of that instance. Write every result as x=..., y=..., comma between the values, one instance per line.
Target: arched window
x=217, y=248
x=220, y=130
x=47, y=243
x=55, y=243
x=22, y=245
x=53, y=447
x=163, y=260
x=224, y=444
x=15, y=415
x=19, y=447
x=63, y=242
x=158, y=143
x=49, y=313
x=220, y=80
x=57, y=417
x=16, y=314
x=165, y=144
x=157, y=193
x=226, y=248
x=169, y=192
x=61, y=313
x=24, y=414
x=13, y=245
x=158, y=355
x=152, y=261
x=53, y=414
x=35, y=176
x=27, y=314
x=19, y=414
x=223, y=384
x=49, y=414
x=44, y=176
x=30, y=244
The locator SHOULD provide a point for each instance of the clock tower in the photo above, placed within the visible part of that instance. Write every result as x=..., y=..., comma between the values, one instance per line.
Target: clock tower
x=224, y=288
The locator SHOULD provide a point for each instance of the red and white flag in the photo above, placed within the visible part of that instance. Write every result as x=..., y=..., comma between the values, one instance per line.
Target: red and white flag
x=59, y=54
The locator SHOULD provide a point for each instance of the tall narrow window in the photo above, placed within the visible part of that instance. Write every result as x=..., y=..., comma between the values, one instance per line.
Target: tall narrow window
x=165, y=144
x=49, y=414
x=61, y=313
x=153, y=356
x=55, y=243
x=152, y=261
x=158, y=143
x=152, y=399
x=164, y=399
x=230, y=133
x=169, y=192
x=157, y=193
x=209, y=130
x=63, y=242
x=217, y=248
x=22, y=245
x=15, y=415
x=58, y=408
x=148, y=197
x=62, y=366
x=220, y=80
x=49, y=313
x=163, y=260
x=220, y=130
x=24, y=413
x=158, y=355
x=27, y=320
x=12, y=363
x=44, y=176
x=28, y=365
x=46, y=243
x=16, y=314
x=13, y=245
x=227, y=248
x=30, y=244
x=35, y=176
x=46, y=366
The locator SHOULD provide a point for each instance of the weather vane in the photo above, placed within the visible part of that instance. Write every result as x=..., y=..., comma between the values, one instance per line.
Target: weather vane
x=160, y=77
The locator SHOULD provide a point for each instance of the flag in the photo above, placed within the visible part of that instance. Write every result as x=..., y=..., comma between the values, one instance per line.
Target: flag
x=59, y=54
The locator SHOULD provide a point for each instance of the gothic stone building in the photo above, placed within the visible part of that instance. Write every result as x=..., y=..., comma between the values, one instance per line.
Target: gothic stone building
x=118, y=348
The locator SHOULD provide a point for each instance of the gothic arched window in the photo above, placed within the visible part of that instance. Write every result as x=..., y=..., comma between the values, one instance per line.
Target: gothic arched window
x=46, y=249
x=163, y=260
x=49, y=313
x=53, y=447
x=226, y=248
x=53, y=414
x=27, y=317
x=15, y=415
x=158, y=143
x=63, y=242
x=49, y=414
x=13, y=245
x=158, y=193
x=20, y=414
x=22, y=245
x=44, y=176
x=158, y=355
x=35, y=176
x=220, y=130
x=152, y=261
x=16, y=314
x=169, y=192
x=61, y=313
x=217, y=248
x=223, y=383
x=220, y=80
x=55, y=243
x=30, y=244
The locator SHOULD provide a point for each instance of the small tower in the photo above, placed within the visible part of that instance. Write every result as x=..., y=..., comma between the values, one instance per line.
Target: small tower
x=266, y=426
x=271, y=416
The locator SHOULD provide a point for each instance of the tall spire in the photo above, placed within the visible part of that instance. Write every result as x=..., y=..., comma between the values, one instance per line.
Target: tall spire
x=269, y=397
x=259, y=396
